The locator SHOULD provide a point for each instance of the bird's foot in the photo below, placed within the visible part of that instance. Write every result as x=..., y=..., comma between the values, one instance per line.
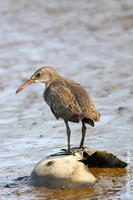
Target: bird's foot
x=74, y=150
x=62, y=152
x=81, y=146
x=77, y=150
x=69, y=152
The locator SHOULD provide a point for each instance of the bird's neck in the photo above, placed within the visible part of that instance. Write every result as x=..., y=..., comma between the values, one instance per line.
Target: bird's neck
x=47, y=84
x=52, y=80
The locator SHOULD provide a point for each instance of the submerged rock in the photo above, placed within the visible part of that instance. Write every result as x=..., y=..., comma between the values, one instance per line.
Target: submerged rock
x=72, y=171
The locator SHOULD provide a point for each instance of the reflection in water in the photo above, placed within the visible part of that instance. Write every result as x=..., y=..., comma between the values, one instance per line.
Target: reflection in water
x=88, y=42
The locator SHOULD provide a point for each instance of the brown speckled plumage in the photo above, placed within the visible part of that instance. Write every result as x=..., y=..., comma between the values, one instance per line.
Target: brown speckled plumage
x=67, y=99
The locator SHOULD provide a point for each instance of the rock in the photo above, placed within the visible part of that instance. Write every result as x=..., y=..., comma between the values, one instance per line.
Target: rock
x=71, y=171
x=101, y=158
x=63, y=172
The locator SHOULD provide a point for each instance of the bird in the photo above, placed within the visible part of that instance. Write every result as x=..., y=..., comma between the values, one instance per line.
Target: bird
x=67, y=99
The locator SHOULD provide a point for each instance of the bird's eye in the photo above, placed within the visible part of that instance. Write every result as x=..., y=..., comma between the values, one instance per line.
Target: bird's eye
x=38, y=75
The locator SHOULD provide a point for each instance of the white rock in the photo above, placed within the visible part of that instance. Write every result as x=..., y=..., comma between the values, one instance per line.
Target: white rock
x=62, y=172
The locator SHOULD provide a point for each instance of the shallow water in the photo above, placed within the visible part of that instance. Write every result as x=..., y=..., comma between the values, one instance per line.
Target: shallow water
x=89, y=42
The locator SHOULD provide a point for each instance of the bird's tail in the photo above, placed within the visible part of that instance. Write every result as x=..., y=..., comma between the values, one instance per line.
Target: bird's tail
x=88, y=121
x=95, y=118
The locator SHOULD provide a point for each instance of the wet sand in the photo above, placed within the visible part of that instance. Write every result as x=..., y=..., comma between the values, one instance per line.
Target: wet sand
x=89, y=42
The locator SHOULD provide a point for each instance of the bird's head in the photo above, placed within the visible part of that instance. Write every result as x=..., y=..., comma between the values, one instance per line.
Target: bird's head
x=43, y=75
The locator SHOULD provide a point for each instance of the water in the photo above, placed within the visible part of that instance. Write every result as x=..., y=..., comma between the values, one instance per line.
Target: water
x=88, y=41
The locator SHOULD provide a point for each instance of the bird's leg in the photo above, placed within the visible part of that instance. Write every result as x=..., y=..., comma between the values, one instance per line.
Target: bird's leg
x=68, y=136
x=83, y=134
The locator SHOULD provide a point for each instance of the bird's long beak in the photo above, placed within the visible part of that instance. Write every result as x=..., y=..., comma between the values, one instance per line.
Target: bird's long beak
x=27, y=83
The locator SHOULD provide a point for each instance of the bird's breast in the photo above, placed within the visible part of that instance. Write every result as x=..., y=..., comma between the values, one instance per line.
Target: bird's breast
x=46, y=95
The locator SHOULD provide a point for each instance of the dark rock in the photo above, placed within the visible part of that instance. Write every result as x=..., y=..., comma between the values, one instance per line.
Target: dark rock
x=101, y=158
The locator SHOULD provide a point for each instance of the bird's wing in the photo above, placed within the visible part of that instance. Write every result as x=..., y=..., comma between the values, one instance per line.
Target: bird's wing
x=62, y=101
x=85, y=103
x=68, y=99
